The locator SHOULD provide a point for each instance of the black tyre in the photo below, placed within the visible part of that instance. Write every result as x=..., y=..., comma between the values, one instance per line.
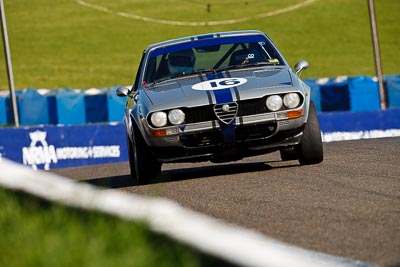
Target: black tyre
x=310, y=150
x=144, y=167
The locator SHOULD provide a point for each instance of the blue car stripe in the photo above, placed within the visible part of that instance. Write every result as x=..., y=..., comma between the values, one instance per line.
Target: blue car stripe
x=287, y=83
x=221, y=95
x=224, y=96
x=237, y=95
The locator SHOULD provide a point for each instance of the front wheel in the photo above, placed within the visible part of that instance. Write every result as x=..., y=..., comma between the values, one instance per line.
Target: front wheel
x=310, y=150
x=144, y=167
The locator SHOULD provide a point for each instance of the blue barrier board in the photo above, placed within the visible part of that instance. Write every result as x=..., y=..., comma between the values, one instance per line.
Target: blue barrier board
x=50, y=147
x=359, y=121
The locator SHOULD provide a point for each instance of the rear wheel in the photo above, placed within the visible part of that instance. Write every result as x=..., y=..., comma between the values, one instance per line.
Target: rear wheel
x=310, y=149
x=144, y=167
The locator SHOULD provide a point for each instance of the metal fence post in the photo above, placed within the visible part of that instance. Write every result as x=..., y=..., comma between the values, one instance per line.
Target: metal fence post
x=378, y=65
x=8, y=63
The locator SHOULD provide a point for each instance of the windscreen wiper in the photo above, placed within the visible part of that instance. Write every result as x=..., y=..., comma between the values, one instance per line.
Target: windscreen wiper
x=247, y=65
x=178, y=75
x=201, y=71
x=161, y=80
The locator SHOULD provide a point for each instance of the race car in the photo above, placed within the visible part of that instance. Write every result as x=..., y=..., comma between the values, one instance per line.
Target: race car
x=217, y=97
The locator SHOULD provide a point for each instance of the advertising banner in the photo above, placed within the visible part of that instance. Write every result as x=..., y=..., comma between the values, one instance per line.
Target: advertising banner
x=359, y=121
x=50, y=147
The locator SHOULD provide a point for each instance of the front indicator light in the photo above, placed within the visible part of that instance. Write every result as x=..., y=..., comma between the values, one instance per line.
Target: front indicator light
x=160, y=133
x=295, y=114
x=165, y=132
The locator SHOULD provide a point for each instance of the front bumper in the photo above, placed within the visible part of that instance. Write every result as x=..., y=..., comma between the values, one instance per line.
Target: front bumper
x=216, y=141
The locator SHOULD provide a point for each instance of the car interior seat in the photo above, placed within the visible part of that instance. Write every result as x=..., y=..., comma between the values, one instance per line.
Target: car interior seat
x=245, y=56
x=162, y=70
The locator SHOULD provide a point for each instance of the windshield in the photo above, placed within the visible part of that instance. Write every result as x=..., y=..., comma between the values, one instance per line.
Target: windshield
x=213, y=55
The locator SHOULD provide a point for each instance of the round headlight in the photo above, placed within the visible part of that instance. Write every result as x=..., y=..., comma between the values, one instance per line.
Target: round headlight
x=274, y=102
x=176, y=116
x=291, y=100
x=159, y=119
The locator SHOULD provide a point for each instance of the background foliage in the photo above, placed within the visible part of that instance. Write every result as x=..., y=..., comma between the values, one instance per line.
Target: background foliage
x=39, y=233
x=60, y=43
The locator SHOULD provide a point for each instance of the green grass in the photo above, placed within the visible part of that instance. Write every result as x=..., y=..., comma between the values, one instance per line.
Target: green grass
x=59, y=43
x=38, y=233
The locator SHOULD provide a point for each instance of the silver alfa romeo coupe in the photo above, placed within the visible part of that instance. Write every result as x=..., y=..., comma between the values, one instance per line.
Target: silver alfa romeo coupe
x=217, y=97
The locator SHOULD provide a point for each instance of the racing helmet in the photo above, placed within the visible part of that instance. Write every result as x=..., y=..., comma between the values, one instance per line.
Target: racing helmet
x=181, y=61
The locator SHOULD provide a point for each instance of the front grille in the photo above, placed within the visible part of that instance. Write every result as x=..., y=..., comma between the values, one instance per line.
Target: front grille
x=205, y=139
x=255, y=131
x=226, y=112
x=252, y=107
x=199, y=114
x=215, y=137
x=207, y=113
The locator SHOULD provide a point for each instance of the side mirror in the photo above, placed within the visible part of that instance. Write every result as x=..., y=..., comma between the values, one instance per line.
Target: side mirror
x=122, y=91
x=300, y=66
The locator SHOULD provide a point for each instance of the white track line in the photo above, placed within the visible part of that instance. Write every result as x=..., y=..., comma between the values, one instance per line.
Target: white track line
x=345, y=136
x=196, y=23
x=234, y=244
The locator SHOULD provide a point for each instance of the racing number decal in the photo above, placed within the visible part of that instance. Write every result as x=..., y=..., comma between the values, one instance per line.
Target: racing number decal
x=218, y=84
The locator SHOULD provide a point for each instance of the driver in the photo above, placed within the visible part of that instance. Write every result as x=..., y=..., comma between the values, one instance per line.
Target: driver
x=181, y=62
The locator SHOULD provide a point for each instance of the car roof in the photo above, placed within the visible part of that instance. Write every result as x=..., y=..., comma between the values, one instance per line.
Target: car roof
x=203, y=37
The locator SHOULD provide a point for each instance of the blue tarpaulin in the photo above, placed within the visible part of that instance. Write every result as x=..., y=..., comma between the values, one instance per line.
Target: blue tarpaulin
x=3, y=114
x=70, y=107
x=116, y=106
x=315, y=93
x=364, y=94
x=65, y=106
x=393, y=90
x=9, y=107
x=52, y=104
x=96, y=106
x=335, y=96
x=35, y=108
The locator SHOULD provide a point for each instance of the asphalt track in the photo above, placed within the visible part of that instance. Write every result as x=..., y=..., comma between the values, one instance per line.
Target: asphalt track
x=347, y=206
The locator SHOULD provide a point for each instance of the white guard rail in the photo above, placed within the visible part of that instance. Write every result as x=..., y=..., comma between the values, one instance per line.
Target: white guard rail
x=234, y=244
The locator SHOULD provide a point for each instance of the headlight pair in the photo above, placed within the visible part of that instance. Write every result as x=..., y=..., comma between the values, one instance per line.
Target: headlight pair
x=276, y=102
x=160, y=118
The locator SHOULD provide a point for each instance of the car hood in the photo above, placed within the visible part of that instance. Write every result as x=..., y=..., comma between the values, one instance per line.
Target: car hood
x=198, y=90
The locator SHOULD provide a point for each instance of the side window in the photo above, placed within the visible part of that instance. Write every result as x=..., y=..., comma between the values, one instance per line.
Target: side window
x=136, y=84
